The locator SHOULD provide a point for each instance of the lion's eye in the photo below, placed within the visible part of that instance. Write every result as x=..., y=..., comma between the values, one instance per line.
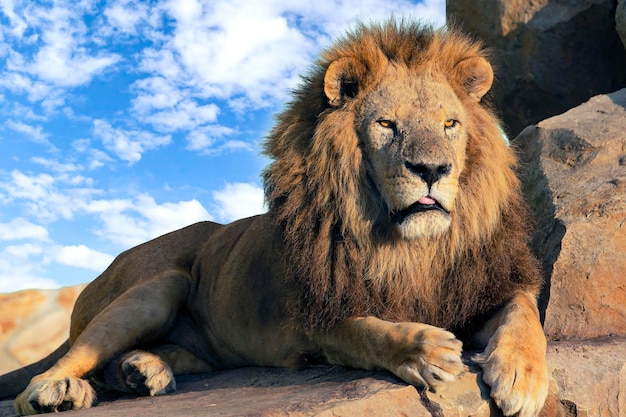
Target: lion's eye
x=388, y=124
x=450, y=123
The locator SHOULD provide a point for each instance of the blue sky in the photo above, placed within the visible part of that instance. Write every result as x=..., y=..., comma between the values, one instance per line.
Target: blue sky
x=123, y=120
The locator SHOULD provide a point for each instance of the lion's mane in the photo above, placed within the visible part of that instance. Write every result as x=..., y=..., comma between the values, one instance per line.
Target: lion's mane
x=332, y=221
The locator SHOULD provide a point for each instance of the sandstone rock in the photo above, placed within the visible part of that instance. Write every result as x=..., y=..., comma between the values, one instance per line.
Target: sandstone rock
x=551, y=55
x=620, y=20
x=33, y=323
x=589, y=377
x=588, y=380
x=575, y=179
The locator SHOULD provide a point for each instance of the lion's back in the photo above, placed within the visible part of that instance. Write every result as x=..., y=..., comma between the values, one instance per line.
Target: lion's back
x=176, y=249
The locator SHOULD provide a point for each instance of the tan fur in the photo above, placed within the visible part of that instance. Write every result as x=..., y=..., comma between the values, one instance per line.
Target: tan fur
x=346, y=267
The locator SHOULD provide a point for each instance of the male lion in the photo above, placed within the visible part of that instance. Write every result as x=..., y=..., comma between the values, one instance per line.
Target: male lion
x=394, y=212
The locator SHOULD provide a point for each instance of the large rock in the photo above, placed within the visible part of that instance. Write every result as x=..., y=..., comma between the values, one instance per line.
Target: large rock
x=620, y=20
x=33, y=323
x=575, y=179
x=588, y=379
x=551, y=55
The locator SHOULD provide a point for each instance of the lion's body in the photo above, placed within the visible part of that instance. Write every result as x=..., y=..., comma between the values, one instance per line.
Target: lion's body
x=394, y=212
x=235, y=312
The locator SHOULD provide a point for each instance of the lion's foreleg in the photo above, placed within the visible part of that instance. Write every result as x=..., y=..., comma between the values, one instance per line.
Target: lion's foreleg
x=418, y=353
x=143, y=313
x=514, y=360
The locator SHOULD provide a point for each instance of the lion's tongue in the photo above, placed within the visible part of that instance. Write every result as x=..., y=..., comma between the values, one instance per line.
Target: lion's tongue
x=427, y=201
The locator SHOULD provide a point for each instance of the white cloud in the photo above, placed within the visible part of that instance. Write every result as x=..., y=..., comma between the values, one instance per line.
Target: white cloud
x=33, y=133
x=186, y=115
x=128, y=145
x=20, y=228
x=50, y=50
x=63, y=59
x=155, y=93
x=278, y=43
x=21, y=268
x=95, y=157
x=66, y=173
x=129, y=222
x=67, y=65
x=238, y=200
x=125, y=15
x=224, y=60
x=18, y=25
x=82, y=257
x=20, y=83
x=21, y=112
x=47, y=197
x=228, y=147
x=125, y=222
x=55, y=166
x=14, y=279
x=163, y=62
x=210, y=140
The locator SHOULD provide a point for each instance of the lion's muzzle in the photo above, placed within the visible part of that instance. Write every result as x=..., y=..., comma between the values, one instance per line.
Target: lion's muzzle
x=424, y=204
x=429, y=173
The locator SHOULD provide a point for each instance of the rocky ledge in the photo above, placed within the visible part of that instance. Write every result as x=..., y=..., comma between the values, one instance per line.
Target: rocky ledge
x=588, y=379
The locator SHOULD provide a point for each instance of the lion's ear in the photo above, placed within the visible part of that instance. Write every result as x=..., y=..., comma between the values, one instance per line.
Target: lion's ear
x=342, y=80
x=476, y=75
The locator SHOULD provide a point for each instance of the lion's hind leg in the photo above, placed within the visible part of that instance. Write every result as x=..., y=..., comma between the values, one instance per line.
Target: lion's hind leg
x=143, y=314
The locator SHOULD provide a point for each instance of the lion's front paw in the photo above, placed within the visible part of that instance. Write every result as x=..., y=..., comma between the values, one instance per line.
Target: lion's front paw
x=425, y=355
x=52, y=395
x=519, y=381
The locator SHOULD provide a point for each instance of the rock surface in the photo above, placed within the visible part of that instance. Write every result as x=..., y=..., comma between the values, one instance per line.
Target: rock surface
x=575, y=180
x=33, y=323
x=551, y=55
x=620, y=20
x=588, y=380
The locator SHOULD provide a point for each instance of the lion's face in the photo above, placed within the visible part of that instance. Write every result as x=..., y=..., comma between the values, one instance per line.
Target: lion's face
x=411, y=128
x=411, y=132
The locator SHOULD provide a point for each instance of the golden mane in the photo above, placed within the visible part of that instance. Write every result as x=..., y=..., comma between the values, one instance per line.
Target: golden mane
x=332, y=221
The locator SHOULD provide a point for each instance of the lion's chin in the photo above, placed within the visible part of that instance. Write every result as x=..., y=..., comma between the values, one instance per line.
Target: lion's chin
x=431, y=223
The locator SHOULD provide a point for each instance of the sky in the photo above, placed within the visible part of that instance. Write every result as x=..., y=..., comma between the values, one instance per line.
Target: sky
x=123, y=120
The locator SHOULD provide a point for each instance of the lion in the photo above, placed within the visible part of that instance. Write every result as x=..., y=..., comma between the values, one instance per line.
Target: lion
x=395, y=232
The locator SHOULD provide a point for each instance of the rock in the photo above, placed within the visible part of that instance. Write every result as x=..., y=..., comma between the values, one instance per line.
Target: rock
x=588, y=379
x=620, y=20
x=320, y=391
x=551, y=55
x=575, y=179
x=33, y=323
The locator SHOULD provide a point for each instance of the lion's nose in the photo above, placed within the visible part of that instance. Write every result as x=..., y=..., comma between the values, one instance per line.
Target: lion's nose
x=430, y=173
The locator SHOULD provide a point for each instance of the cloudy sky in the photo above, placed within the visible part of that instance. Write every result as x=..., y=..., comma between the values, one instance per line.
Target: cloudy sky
x=122, y=120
